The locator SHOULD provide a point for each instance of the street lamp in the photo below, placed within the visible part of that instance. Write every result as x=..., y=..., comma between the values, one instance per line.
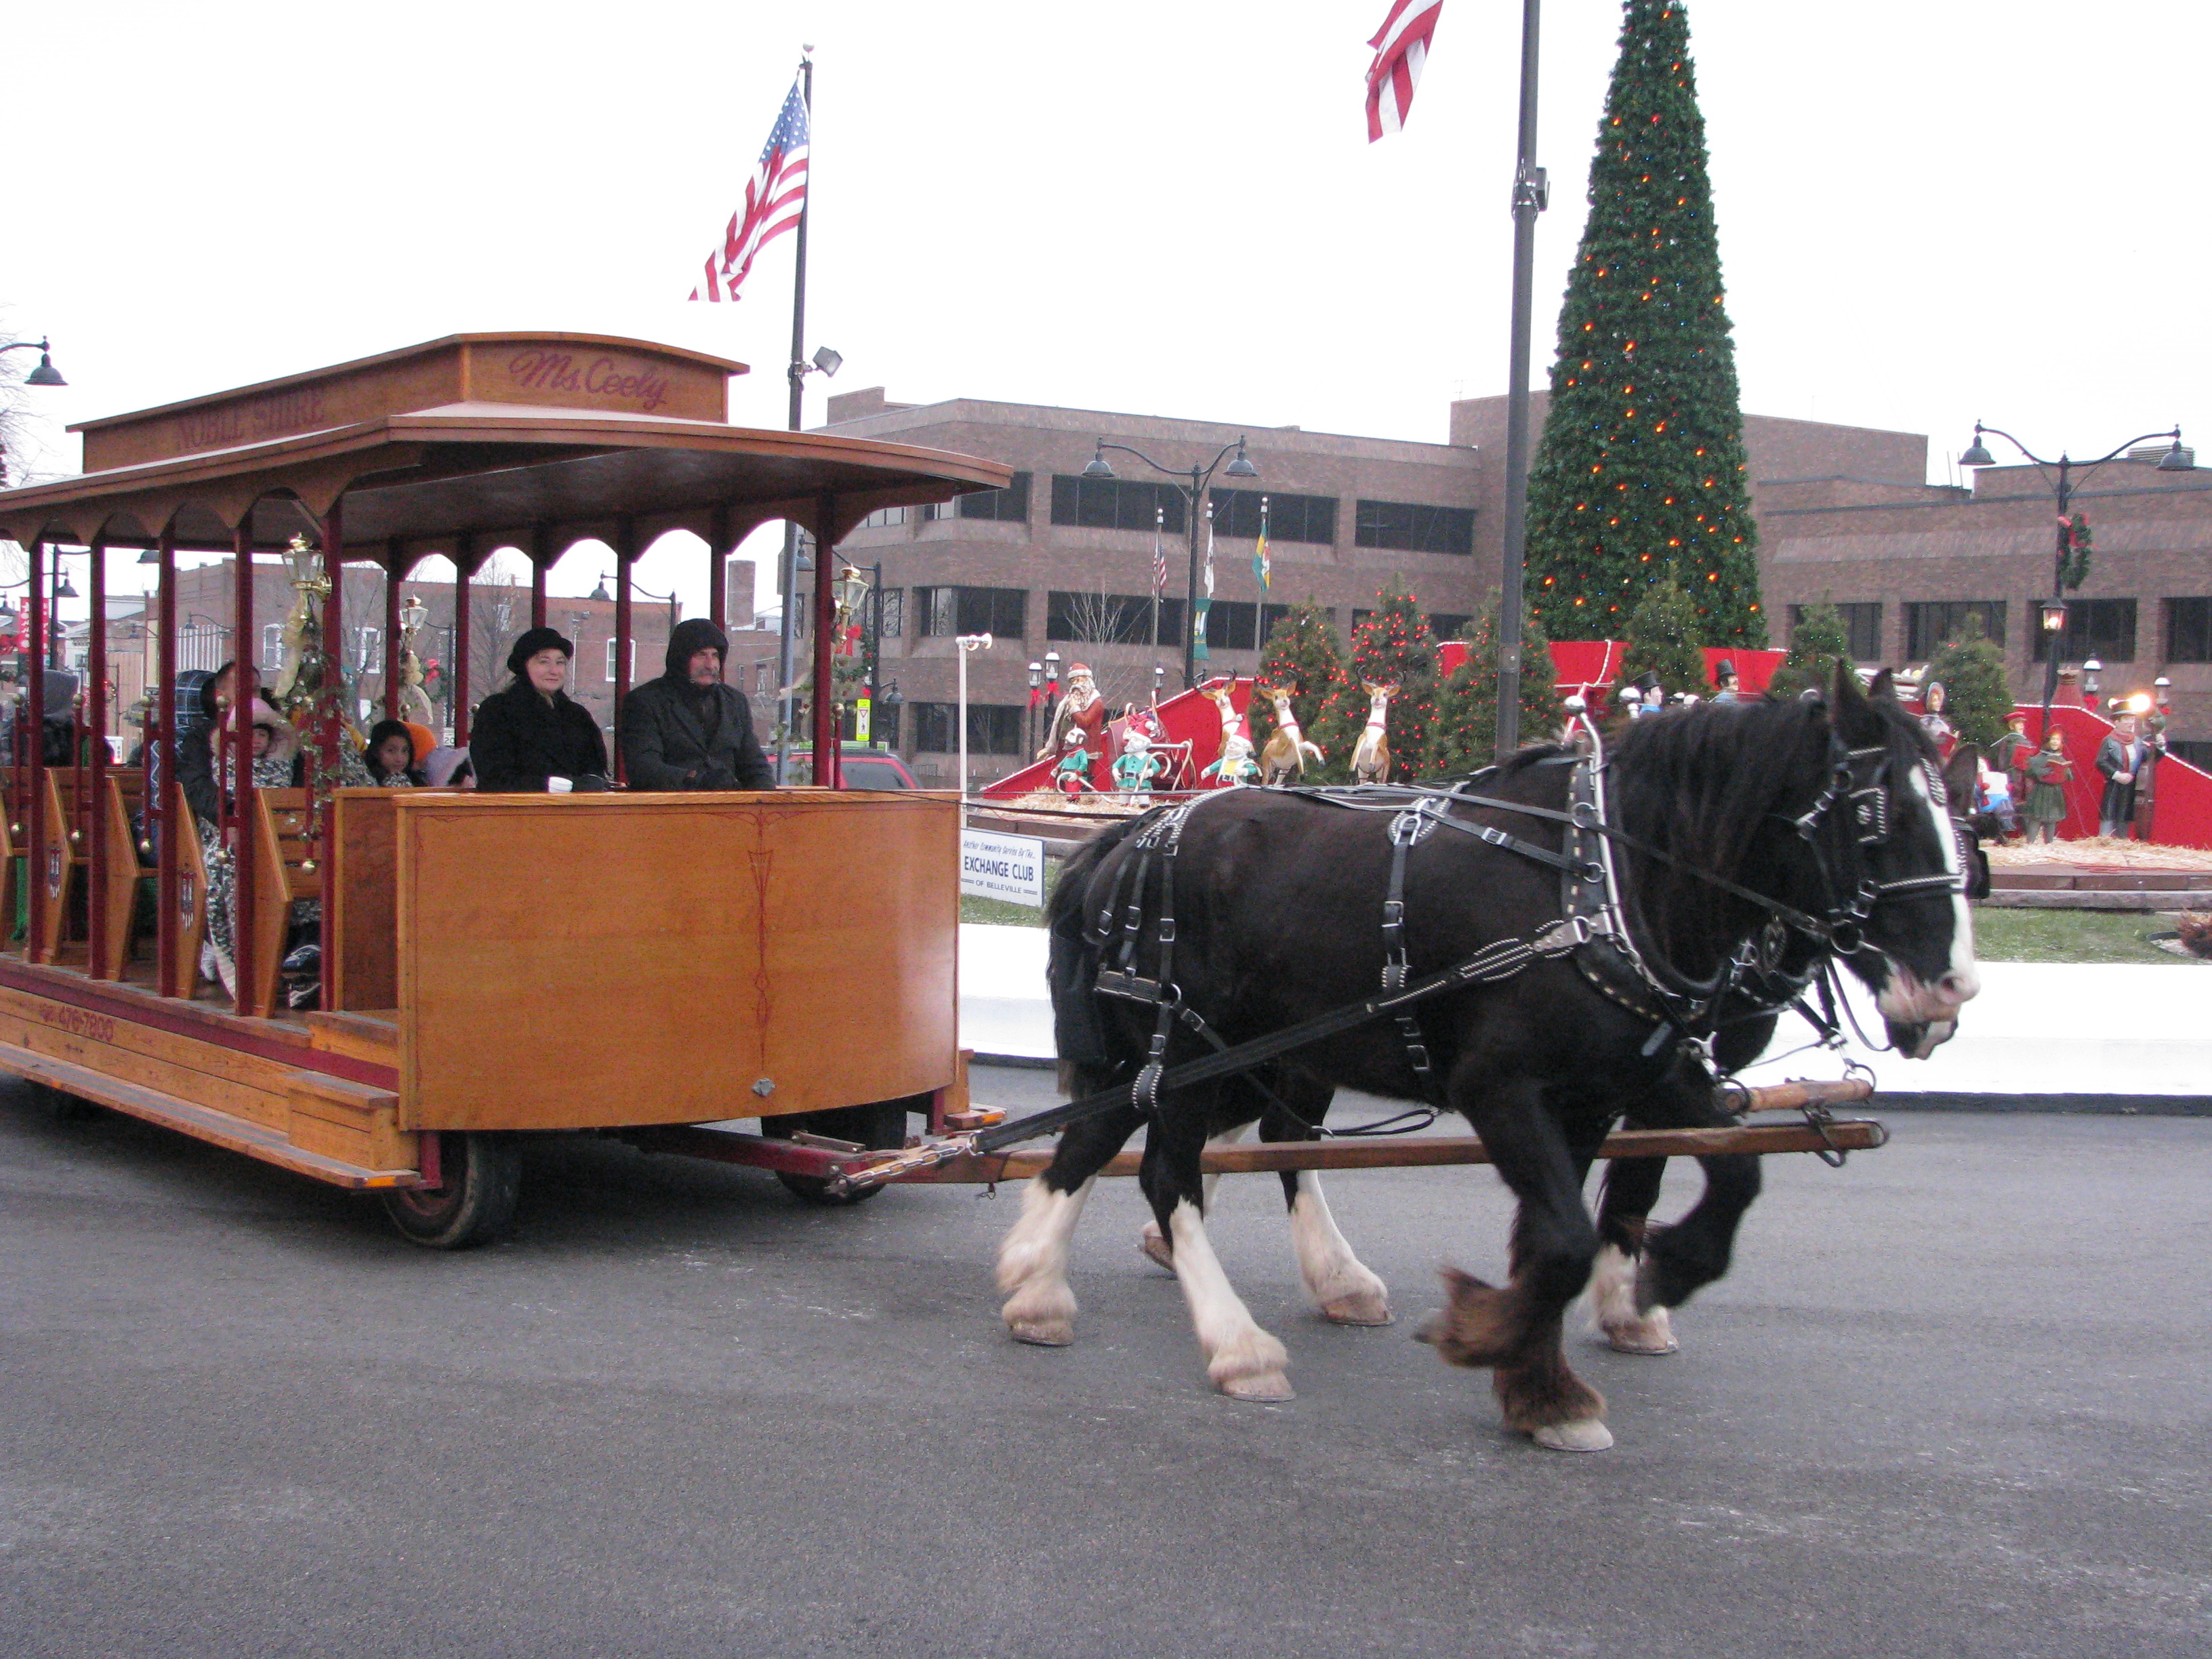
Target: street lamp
x=1036, y=684
x=967, y=642
x=1193, y=494
x=2090, y=670
x=893, y=700
x=44, y=374
x=2176, y=459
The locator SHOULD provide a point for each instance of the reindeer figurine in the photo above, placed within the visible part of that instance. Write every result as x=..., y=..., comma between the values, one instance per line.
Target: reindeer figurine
x=1218, y=695
x=1287, y=751
x=1370, y=756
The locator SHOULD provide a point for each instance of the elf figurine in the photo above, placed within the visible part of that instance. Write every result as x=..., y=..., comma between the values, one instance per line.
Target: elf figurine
x=1137, y=766
x=1236, y=765
x=1072, y=775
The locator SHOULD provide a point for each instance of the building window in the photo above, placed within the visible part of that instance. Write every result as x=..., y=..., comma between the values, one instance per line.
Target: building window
x=1446, y=624
x=1001, y=612
x=1232, y=625
x=893, y=621
x=884, y=725
x=272, y=646
x=1290, y=518
x=1929, y=623
x=994, y=728
x=1861, y=627
x=1413, y=528
x=1116, y=504
x=611, y=662
x=372, y=650
x=2103, y=629
x=1007, y=506
x=883, y=518
x=1111, y=618
x=2189, y=630
x=2196, y=750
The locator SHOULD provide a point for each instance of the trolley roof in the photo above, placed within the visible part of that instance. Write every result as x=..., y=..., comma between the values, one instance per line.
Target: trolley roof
x=473, y=438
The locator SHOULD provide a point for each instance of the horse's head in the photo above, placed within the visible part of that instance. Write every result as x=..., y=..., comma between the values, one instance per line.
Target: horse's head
x=1893, y=851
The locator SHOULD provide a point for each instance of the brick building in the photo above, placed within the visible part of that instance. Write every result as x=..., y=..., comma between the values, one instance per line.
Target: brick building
x=1057, y=562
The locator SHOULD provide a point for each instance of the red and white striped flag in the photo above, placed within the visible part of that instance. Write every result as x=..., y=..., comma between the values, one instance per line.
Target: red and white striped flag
x=775, y=196
x=1401, y=47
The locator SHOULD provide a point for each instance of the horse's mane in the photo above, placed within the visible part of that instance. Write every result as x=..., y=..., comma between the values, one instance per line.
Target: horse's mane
x=1701, y=784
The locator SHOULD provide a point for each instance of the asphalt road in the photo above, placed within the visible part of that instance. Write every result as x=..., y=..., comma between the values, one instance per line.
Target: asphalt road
x=1954, y=1400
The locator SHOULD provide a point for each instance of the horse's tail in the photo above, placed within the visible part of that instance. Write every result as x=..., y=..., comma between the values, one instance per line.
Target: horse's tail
x=1072, y=966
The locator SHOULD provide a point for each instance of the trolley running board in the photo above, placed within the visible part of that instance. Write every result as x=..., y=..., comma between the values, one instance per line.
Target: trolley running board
x=236, y=1134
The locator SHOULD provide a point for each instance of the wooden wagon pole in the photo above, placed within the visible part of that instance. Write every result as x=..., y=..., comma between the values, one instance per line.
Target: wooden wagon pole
x=164, y=796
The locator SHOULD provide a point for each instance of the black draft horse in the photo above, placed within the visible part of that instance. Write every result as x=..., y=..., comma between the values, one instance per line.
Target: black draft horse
x=1833, y=811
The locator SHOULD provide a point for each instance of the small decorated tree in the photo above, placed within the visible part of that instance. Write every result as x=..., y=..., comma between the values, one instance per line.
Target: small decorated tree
x=1664, y=637
x=1817, y=644
x=1977, y=695
x=1393, y=647
x=1303, y=654
x=1465, y=738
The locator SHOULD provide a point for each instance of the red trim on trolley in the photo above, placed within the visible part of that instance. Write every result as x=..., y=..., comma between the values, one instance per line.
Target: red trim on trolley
x=128, y=1002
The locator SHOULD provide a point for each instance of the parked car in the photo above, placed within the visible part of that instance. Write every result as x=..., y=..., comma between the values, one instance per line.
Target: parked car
x=865, y=768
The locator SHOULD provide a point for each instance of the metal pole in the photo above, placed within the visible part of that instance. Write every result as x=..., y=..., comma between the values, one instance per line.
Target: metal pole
x=875, y=648
x=1528, y=195
x=2053, y=644
x=798, y=372
x=1190, y=594
x=960, y=650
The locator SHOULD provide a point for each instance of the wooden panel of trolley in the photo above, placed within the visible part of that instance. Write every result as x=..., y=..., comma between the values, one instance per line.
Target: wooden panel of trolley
x=548, y=962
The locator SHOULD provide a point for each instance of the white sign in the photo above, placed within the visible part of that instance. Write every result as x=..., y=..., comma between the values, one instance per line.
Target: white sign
x=1009, y=867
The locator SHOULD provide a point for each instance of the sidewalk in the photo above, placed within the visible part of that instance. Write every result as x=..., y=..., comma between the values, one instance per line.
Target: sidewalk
x=2056, y=1035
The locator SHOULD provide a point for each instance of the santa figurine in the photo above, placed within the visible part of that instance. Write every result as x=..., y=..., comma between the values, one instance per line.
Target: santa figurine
x=1236, y=765
x=1081, y=715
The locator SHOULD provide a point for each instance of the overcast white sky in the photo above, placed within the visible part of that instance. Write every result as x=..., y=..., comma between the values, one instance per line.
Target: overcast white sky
x=1929, y=211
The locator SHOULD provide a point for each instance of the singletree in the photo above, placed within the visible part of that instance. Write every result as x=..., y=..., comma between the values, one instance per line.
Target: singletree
x=1817, y=644
x=1393, y=647
x=1301, y=653
x=1976, y=696
x=1662, y=636
x=1465, y=739
x=1642, y=474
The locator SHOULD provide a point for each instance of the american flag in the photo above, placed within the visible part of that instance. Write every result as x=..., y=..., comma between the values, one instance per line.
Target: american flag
x=1159, y=552
x=775, y=196
x=1401, y=47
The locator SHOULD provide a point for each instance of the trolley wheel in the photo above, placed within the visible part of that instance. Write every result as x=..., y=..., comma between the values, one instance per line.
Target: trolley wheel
x=483, y=1174
x=880, y=1127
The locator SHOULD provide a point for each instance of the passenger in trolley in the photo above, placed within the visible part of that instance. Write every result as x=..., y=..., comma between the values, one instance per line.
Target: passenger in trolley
x=278, y=764
x=390, y=756
x=532, y=738
x=688, y=729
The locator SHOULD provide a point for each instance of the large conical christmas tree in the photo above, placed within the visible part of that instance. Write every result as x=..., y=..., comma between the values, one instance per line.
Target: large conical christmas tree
x=1641, y=475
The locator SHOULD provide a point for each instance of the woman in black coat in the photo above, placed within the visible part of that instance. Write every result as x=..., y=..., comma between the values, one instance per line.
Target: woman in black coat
x=531, y=736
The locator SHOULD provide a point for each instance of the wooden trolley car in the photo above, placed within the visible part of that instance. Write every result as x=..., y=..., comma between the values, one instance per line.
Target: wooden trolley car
x=491, y=964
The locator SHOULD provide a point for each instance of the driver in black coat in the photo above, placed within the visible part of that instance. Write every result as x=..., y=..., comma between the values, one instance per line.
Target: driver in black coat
x=687, y=730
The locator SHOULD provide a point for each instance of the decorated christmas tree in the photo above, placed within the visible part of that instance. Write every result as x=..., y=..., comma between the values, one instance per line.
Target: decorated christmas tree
x=1662, y=636
x=1465, y=737
x=1303, y=654
x=1817, y=644
x=1977, y=695
x=1641, y=475
x=1393, y=647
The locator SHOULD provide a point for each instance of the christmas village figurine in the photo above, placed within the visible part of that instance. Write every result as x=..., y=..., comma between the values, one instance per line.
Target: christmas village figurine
x=1935, y=722
x=1724, y=683
x=414, y=701
x=1072, y=777
x=1137, y=767
x=1287, y=751
x=1371, y=755
x=1234, y=765
x=1081, y=715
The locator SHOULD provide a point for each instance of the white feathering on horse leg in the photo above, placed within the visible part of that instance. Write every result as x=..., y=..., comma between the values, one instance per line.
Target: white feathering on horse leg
x=1613, y=1315
x=1242, y=1360
x=1151, y=1240
x=1341, y=1285
x=1040, y=1308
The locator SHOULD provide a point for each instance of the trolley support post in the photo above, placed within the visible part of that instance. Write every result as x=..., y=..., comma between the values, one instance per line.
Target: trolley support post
x=100, y=955
x=464, y=567
x=718, y=554
x=395, y=554
x=234, y=759
x=34, y=766
x=163, y=799
x=828, y=771
x=625, y=552
x=541, y=558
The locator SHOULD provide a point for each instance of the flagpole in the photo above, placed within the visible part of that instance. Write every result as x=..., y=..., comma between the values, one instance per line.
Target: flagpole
x=1531, y=193
x=824, y=766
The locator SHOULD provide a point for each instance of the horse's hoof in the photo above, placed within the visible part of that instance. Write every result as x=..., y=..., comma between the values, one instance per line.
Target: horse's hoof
x=1357, y=1308
x=1043, y=1333
x=1266, y=1387
x=1155, y=1247
x=1643, y=1340
x=1584, y=1435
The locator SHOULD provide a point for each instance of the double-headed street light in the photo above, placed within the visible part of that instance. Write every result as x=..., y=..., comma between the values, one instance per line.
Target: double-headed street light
x=1193, y=494
x=2069, y=473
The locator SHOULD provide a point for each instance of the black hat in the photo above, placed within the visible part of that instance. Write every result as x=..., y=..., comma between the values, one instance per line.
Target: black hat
x=533, y=640
x=693, y=634
x=1724, y=670
x=1647, y=682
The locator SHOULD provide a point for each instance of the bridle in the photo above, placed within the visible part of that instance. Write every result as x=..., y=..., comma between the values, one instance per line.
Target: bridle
x=1860, y=781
